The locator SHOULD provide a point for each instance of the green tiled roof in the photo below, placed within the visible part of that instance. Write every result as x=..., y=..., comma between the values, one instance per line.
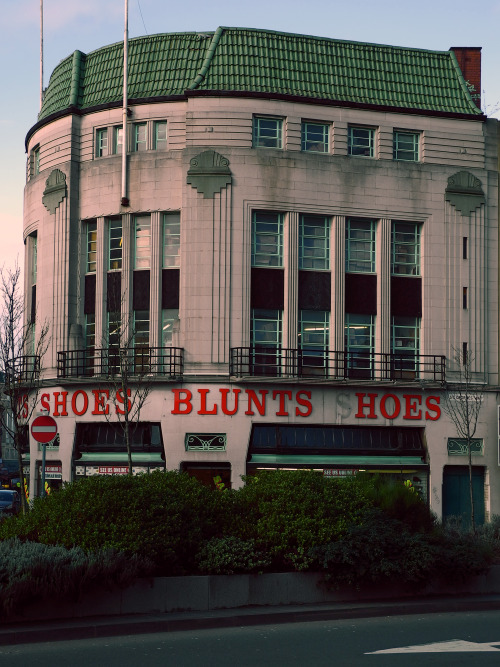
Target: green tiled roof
x=261, y=61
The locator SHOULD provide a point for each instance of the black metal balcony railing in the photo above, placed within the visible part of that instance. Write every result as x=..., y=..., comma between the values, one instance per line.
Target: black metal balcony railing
x=328, y=364
x=136, y=361
x=23, y=370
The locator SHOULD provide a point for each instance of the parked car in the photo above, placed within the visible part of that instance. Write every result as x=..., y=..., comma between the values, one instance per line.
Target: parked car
x=10, y=503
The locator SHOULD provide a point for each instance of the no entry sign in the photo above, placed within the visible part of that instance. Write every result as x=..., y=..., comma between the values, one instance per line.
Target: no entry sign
x=44, y=429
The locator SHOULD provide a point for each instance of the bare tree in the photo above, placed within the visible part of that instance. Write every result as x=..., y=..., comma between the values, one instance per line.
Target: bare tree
x=22, y=370
x=463, y=403
x=129, y=364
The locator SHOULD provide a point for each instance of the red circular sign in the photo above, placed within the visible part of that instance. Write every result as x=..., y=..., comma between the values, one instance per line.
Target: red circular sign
x=44, y=429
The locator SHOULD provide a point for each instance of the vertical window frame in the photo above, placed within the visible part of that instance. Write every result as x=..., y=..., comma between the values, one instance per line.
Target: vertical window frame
x=91, y=247
x=140, y=143
x=264, y=135
x=315, y=144
x=115, y=244
x=314, y=256
x=160, y=143
x=355, y=263
x=262, y=239
x=405, y=245
x=171, y=241
x=402, y=153
x=142, y=241
x=117, y=140
x=359, y=145
x=101, y=142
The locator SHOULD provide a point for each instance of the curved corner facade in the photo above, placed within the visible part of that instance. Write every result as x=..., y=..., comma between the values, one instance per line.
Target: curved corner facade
x=290, y=280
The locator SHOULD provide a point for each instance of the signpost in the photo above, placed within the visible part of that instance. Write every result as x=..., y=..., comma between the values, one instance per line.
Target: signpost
x=44, y=430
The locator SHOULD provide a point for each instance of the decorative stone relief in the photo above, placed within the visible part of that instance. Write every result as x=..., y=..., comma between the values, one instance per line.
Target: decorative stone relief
x=55, y=190
x=209, y=173
x=465, y=192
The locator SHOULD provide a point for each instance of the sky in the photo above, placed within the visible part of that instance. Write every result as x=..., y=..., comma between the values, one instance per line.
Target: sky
x=88, y=25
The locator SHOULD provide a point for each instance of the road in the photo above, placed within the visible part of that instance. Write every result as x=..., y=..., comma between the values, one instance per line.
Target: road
x=466, y=638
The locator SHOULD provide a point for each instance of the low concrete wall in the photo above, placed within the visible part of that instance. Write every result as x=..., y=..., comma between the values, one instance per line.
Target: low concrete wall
x=206, y=593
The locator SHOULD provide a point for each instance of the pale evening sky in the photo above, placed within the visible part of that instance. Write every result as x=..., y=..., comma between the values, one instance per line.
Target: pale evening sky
x=88, y=25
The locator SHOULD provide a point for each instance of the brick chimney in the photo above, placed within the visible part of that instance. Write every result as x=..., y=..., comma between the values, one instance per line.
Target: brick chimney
x=469, y=61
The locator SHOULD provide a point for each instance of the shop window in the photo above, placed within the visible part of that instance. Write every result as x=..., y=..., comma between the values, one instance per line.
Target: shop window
x=267, y=132
x=267, y=239
x=171, y=240
x=406, y=248
x=360, y=245
x=314, y=242
x=142, y=225
x=315, y=137
x=406, y=146
x=105, y=437
x=361, y=141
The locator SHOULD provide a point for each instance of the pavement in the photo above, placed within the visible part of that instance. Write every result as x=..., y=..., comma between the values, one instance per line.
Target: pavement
x=112, y=626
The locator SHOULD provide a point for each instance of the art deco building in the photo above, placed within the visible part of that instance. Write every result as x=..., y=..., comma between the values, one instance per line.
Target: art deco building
x=307, y=235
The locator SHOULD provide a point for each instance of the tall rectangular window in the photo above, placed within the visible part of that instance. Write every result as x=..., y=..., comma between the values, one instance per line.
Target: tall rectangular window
x=141, y=341
x=315, y=137
x=361, y=141
x=117, y=139
x=115, y=246
x=169, y=317
x=267, y=132
x=140, y=137
x=142, y=224
x=114, y=342
x=101, y=142
x=406, y=146
x=405, y=248
x=313, y=341
x=267, y=239
x=36, y=160
x=266, y=341
x=91, y=247
x=360, y=245
x=405, y=345
x=359, y=345
x=90, y=342
x=160, y=135
x=314, y=242
x=171, y=240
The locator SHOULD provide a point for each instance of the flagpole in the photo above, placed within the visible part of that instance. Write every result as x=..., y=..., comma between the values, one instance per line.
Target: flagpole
x=41, y=53
x=124, y=200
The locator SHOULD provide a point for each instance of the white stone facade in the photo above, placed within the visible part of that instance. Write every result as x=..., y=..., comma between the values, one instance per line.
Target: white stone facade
x=215, y=300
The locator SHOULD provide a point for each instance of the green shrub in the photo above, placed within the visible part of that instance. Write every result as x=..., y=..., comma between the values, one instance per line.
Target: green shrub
x=31, y=571
x=399, y=502
x=287, y=513
x=164, y=516
x=231, y=555
x=380, y=550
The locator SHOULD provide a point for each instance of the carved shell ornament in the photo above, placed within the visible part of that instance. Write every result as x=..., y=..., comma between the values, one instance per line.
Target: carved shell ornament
x=465, y=192
x=55, y=190
x=209, y=172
